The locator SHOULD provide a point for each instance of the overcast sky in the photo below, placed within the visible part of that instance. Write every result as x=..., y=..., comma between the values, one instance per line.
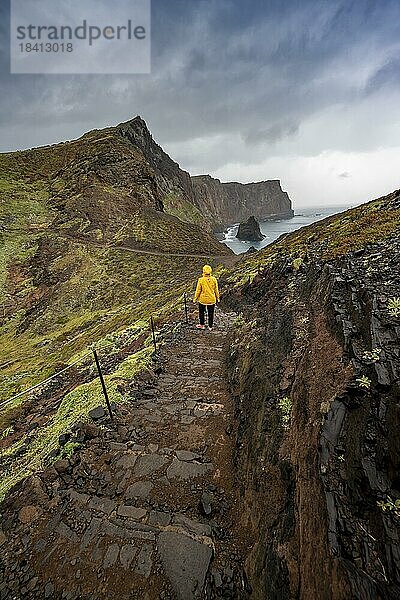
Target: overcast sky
x=305, y=91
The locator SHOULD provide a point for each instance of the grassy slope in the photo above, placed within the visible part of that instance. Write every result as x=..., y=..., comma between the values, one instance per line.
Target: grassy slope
x=103, y=296
x=185, y=211
x=94, y=292
x=63, y=288
x=59, y=294
x=100, y=187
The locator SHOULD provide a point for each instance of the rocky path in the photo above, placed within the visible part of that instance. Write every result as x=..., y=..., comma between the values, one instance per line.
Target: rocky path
x=148, y=507
x=228, y=260
x=225, y=259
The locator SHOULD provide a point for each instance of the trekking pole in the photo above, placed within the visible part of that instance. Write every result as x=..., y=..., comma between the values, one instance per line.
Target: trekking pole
x=153, y=334
x=103, y=385
x=186, y=309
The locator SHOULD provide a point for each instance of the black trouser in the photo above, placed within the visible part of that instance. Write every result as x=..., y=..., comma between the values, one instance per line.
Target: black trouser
x=210, y=310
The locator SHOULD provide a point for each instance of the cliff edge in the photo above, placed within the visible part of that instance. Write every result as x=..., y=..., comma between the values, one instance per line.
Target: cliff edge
x=227, y=203
x=315, y=373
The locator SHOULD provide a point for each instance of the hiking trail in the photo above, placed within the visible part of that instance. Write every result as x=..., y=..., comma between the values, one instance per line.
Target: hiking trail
x=148, y=507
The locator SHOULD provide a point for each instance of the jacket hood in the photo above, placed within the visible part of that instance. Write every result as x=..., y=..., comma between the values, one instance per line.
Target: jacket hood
x=207, y=270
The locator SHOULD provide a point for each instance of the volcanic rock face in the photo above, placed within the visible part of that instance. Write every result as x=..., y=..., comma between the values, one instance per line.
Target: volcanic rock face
x=170, y=177
x=250, y=230
x=111, y=184
x=226, y=203
x=315, y=372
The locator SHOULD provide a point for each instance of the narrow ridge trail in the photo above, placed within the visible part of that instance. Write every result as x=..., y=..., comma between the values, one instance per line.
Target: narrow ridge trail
x=228, y=260
x=148, y=508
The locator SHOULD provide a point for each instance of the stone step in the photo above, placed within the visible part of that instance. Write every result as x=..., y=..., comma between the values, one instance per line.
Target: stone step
x=136, y=506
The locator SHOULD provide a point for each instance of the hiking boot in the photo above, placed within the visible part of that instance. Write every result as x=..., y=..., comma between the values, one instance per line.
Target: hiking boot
x=200, y=326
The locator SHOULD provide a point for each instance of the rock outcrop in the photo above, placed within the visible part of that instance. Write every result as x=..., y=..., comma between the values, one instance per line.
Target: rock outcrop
x=250, y=230
x=170, y=177
x=227, y=203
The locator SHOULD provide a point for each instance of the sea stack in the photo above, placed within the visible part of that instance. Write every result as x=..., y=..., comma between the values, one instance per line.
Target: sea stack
x=250, y=231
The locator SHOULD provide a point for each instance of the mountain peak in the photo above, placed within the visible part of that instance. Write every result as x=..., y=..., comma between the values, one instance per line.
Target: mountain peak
x=136, y=123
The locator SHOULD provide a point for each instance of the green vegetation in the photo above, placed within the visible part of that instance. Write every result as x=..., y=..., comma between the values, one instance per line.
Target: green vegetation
x=394, y=307
x=239, y=321
x=297, y=263
x=23, y=213
x=6, y=432
x=132, y=365
x=373, y=355
x=390, y=505
x=68, y=450
x=285, y=406
x=364, y=382
x=177, y=206
x=74, y=407
x=96, y=293
x=153, y=230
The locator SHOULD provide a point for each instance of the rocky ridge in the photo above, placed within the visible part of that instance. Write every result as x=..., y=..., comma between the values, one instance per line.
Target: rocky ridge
x=203, y=199
x=118, y=185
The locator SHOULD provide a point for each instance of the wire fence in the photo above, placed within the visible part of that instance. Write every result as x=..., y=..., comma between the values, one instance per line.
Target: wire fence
x=93, y=353
x=37, y=385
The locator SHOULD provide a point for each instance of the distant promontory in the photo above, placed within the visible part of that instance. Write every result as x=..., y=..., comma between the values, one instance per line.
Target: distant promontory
x=202, y=199
x=226, y=203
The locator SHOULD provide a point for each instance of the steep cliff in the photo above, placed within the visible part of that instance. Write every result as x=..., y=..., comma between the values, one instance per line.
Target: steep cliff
x=202, y=199
x=169, y=175
x=226, y=203
x=315, y=371
x=175, y=185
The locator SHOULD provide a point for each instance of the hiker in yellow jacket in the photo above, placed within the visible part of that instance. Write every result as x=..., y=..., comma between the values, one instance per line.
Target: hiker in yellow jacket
x=207, y=295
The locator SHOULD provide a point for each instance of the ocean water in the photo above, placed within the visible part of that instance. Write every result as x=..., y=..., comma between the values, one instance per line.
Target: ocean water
x=273, y=229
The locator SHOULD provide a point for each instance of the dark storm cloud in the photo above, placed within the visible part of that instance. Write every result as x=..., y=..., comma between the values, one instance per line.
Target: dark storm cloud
x=233, y=82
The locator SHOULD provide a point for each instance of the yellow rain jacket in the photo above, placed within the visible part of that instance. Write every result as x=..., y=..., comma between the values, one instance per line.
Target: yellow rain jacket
x=207, y=288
